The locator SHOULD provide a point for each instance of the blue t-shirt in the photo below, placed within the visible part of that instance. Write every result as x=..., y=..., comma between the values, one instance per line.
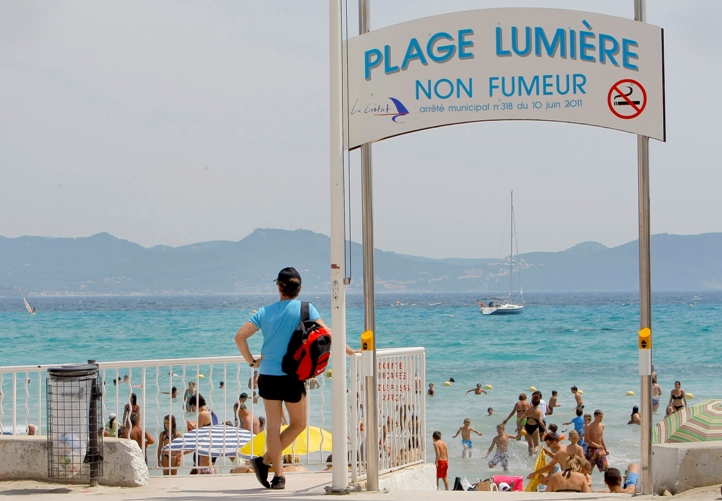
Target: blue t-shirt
x=277, y=322
x=578, y=422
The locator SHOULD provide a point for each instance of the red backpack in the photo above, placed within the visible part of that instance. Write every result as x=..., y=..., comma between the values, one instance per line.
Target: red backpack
x=309, y=349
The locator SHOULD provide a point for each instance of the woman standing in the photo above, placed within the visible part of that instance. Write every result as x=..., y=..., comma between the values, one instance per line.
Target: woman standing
x=169, y=460
x=677, y=397
x=189, y=396
x=656, y=393
x=534, y=424
x=277, y=321
x=131, y=407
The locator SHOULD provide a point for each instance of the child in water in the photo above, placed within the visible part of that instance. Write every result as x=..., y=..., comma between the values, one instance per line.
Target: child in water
x=465, y=431
x=501, y=441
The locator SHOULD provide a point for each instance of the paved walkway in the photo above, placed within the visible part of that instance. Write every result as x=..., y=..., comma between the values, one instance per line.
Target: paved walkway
x=308, y=486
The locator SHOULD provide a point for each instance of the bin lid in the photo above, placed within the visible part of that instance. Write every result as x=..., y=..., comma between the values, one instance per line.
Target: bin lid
x=73, y=370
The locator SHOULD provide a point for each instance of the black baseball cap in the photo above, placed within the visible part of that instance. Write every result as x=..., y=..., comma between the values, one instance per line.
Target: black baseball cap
x=286, y=275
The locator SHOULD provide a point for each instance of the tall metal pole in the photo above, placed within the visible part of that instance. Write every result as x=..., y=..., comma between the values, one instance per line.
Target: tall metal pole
x=645, y=293
x=339, y=426
x=372, y=431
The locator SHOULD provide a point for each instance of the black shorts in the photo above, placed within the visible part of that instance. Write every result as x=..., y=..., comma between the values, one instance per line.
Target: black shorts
x=285, y=388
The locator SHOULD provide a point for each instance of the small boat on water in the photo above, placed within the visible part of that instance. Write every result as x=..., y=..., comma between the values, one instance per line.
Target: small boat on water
x=500, y=308
x=507, y=306
x=31, y=309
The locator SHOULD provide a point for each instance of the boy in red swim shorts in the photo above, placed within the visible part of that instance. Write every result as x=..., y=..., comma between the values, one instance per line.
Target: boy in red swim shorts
x=442, y=460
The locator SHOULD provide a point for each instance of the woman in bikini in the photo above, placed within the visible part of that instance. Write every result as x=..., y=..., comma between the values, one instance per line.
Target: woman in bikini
x=570, y=479
x=534, y=424
x=130, y=408
x=677, y=397
x=169, y=460
x=520, y=408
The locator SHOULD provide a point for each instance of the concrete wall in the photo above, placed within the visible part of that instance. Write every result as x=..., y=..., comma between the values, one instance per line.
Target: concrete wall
x=413, y=478
x=25, y=457
x=681, y=467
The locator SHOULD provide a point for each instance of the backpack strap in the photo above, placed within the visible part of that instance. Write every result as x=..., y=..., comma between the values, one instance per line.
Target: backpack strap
x=305, y=313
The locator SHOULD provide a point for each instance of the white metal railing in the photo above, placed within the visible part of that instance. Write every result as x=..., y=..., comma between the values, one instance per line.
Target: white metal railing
x=401, y=416
x=22, y=402
x=401, y=401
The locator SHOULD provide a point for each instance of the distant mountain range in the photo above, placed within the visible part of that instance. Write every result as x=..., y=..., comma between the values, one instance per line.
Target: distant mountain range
x=104, y=264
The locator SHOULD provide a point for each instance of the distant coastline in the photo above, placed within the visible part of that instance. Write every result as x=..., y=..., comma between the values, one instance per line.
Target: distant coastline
x=102, y=265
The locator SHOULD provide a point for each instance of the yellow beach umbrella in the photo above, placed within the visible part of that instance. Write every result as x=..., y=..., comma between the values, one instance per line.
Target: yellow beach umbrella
x=311, y=439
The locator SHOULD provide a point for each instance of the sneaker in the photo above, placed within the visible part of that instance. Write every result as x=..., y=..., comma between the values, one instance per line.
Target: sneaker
x=261, y=471
x=278, y=482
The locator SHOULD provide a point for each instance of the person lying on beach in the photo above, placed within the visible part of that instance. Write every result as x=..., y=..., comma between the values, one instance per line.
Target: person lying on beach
x=635, y=417
x=501, y=441
x=477, y=390
x=613, y=480
x=570, y=479
x=244, y=468
x=465, y=431
x=520, y=408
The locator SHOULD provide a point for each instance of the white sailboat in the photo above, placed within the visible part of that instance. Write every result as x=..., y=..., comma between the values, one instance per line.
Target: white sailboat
x=31, y=309
x=507, y=306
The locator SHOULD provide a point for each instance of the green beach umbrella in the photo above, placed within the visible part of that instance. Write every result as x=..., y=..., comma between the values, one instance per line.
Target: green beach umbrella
x=699, y=423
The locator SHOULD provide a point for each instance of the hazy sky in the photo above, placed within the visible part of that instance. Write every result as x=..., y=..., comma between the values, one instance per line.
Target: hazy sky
x=174, y=122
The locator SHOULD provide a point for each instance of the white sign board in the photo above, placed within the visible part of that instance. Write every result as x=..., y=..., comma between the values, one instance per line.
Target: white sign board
x=506, y=64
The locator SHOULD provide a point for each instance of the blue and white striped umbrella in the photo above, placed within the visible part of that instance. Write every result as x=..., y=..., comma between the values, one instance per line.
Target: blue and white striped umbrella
x=216, y=440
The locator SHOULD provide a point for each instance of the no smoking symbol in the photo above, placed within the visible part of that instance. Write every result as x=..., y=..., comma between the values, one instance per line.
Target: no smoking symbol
x=627, y=99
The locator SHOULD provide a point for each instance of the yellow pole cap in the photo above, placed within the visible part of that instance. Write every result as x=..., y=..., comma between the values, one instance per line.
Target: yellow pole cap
x=645, y=339
x=367, y=341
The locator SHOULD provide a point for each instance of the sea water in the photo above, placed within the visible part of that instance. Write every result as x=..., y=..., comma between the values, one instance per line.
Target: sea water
x=588, y=340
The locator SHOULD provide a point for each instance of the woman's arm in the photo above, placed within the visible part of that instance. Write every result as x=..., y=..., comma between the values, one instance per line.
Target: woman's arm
x=247, y=330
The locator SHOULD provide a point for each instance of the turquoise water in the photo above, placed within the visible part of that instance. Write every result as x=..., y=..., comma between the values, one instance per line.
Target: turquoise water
x=588, y=340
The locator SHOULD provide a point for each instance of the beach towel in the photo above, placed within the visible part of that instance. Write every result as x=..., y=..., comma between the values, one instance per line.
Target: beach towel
x=515, y=482
x=541, y=461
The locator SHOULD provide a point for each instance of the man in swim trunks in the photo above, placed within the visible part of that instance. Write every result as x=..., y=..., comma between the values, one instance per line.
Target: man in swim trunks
x=596, y=448
x=465, y=431
x=501, y=441
x=442, y=460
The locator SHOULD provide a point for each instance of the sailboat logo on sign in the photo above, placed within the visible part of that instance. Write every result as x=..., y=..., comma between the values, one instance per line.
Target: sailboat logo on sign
x=627, y=99
x=401, y=110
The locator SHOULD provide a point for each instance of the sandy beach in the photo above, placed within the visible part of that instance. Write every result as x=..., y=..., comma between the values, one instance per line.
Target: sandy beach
x=300, y=485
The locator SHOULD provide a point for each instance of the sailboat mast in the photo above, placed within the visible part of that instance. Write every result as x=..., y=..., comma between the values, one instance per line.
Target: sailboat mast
x=511, y=248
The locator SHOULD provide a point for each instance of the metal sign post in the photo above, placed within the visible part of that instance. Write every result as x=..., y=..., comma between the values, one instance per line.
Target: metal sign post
x=372, y=428
x=339, y=425
x=645, y=294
